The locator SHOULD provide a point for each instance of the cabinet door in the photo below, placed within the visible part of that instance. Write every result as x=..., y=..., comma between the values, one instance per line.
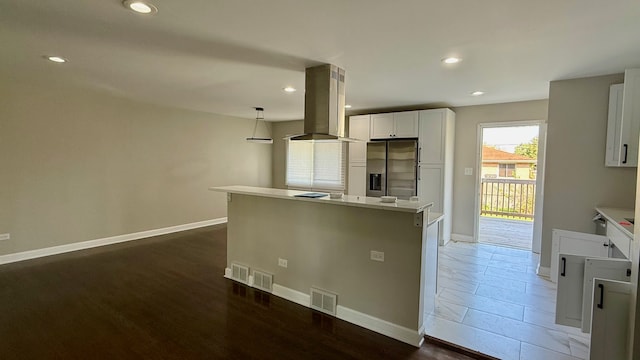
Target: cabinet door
x=630, y=119
x=406, y=124
x=610, y=269
x=358, y=153
x=614, y=124
x=569, y=294
x=357, y=180
x=610, y=316
x=432, y=126
x=575, y=243
x=359, y=127
x=430, y=179
x=381, y=126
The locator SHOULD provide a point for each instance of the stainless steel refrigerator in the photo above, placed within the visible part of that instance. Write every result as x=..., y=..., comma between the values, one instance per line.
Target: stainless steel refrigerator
x=392, y=168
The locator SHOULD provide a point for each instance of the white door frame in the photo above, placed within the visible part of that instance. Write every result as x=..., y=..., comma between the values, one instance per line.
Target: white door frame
x=542, y=140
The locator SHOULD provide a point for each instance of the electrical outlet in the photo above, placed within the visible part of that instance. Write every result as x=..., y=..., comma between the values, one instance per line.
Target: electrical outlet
x=377, y=255
x=5, y=237
x=282, y=262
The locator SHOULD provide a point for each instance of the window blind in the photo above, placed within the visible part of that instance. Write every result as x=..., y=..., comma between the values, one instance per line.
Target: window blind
x=316, y=165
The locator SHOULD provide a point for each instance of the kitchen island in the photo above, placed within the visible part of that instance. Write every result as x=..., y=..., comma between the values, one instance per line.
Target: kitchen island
x=378, y=259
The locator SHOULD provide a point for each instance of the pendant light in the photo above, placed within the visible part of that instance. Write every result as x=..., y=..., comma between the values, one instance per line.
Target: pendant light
x=259, y=140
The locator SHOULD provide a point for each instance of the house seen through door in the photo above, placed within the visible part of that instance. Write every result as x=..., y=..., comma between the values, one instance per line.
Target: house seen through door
x=508, y=171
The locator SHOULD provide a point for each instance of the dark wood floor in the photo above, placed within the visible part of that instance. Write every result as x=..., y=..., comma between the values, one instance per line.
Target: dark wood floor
x=165, y=298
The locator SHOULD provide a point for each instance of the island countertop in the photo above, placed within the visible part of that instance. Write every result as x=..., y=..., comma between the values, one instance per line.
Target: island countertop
x=346, y=200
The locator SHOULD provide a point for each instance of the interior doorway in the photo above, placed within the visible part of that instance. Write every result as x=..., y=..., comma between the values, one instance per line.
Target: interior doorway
x=508, y=183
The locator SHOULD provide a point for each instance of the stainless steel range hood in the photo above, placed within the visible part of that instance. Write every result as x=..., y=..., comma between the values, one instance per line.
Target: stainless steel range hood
x=323, y=104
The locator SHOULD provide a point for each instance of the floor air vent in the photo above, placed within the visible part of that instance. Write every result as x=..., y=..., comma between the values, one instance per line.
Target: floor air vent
x=262, y=280
x=323, y=301
x=240, y=273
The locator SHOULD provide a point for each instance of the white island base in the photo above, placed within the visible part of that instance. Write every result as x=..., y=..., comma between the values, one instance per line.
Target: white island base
x=327, y=245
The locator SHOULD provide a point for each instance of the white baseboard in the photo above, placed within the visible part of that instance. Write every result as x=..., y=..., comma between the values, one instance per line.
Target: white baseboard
x=295, y=296
x=54, y=250
x=460, y=237
x=543, y=271
x=406, y=335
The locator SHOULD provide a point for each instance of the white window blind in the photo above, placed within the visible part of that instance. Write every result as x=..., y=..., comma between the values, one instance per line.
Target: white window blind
x=316, y=165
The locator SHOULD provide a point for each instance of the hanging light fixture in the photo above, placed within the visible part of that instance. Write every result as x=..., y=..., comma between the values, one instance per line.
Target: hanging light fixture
x=253, y=138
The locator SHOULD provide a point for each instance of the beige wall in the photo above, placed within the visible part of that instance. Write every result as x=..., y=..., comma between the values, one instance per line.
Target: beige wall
x=78, y=164
x=576, y=179
x=467, y=120
x=280, y=130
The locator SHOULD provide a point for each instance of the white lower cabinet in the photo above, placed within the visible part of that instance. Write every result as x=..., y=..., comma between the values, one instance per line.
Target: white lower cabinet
x=357, y=184
x=611, y=269
x=610, y=319
x=576, y=243
x=569, y=294
x=593, y=291
x=430, y=178
x=357, y=175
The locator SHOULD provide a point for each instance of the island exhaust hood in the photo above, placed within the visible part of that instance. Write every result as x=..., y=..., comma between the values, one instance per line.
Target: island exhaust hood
x=323, y=104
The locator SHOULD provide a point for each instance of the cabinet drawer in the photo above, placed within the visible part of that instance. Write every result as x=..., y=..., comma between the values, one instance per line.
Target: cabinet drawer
x=619, y=239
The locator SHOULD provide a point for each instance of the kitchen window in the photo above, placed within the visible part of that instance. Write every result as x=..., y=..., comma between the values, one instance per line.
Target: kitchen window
x=318, y=165
x=507, y=170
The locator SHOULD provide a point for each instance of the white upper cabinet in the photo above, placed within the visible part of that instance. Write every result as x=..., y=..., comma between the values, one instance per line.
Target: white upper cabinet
x=432, y=136
x=359, y=127
x=623, y=126
x=614, y=126
x=406, y=124
x=381, y=126
x=394, y=125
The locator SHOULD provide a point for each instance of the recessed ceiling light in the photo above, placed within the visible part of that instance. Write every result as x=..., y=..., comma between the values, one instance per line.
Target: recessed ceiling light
x=451, y=60
x=56, y=59
x=477, y=93
x=347, y=106
x=289, y=89
x=140, y=6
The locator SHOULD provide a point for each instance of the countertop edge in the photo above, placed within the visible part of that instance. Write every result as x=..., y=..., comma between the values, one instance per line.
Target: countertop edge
x=434, y=217
x=324, y=200
x=606, y=212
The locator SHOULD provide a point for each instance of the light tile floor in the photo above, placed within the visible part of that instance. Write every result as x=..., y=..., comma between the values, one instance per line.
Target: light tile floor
x=491, y=300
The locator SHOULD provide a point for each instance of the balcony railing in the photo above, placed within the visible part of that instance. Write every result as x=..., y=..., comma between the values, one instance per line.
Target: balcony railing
x=511, y=198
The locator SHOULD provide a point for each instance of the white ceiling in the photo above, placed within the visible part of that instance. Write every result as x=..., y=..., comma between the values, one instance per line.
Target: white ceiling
x=226, y=56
